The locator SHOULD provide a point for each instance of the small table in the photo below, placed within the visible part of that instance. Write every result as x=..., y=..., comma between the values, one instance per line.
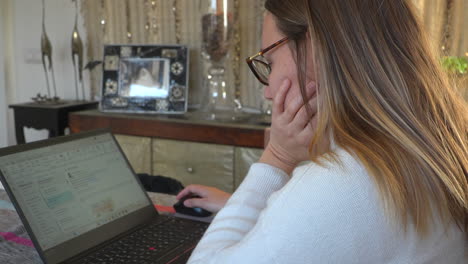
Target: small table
x=53, y=117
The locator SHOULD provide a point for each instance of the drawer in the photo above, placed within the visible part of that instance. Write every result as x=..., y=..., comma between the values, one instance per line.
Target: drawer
x=138, y=152
x=195, y=163
x=244, y=157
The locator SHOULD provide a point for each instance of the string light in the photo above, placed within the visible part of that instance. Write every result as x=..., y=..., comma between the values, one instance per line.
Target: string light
x=154, y=19
x=151, y=26
x=237, y=52
x=447, y=27
x=148, y=6
x=103, y=21
x=129, y=22
x=177, y=21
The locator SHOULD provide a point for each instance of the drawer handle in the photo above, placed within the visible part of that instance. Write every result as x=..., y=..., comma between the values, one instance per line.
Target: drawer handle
x=190, y=170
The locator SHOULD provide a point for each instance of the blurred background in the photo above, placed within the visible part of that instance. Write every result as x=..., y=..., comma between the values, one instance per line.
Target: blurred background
x=162, y=22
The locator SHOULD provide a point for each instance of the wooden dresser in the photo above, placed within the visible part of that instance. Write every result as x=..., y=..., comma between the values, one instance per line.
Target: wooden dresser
x=181, y=146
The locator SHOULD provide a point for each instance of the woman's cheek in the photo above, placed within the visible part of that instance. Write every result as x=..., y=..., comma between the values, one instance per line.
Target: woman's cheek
x=267, y=93
x=273, y=86
x=293, y=93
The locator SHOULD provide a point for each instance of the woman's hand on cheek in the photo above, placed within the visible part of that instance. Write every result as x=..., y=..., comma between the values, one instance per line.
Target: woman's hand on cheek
x=291, y=129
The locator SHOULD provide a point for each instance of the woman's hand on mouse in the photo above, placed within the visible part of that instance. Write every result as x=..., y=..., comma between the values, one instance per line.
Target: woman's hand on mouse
x=212, y=199
x=292, y=128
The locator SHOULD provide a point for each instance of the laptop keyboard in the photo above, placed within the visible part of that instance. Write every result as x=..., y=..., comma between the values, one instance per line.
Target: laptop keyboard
x=152, y=244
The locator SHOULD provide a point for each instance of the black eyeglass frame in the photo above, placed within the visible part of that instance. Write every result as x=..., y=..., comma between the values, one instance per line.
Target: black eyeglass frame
x=252, y=58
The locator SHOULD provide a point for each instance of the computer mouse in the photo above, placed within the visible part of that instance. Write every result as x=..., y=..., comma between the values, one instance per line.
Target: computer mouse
x=180, y=208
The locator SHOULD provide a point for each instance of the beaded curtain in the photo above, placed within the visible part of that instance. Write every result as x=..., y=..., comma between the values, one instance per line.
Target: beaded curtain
x=179, y=22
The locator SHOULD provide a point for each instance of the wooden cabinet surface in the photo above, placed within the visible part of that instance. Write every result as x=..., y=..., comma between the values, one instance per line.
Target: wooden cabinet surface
x=138, y=152
x=195, y=163
x=191, y=151
x=177, y=127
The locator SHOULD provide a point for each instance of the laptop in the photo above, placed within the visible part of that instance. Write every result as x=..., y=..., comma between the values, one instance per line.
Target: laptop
x=81, y=202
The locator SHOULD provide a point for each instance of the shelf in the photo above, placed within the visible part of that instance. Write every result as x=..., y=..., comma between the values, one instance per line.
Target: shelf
x=246, y=133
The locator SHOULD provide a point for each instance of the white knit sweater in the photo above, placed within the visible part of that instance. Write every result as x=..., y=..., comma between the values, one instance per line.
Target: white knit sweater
x=329, y=214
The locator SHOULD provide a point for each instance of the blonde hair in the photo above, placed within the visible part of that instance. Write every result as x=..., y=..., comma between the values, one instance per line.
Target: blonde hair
x=384, y=97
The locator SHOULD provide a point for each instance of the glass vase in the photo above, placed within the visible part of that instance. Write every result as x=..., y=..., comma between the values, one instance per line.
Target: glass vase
x=217, y=33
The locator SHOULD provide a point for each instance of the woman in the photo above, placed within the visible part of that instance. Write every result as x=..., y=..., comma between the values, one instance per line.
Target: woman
x=383, y=134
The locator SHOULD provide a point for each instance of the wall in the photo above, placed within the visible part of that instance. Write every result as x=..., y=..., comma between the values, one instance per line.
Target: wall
x=24, y=71
x=3, y=107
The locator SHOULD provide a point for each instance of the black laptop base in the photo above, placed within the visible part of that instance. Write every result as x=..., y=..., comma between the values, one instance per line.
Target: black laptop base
x=167, y=240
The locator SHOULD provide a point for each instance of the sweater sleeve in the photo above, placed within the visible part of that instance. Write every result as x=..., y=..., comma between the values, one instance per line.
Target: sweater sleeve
x=241, y=212
x=271, y=220
x=323, y=214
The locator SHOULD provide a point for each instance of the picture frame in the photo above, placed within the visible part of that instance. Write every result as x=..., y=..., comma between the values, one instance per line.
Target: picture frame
x=145, y=79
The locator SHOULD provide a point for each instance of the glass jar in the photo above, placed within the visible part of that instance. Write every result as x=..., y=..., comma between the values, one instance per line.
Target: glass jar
x=217, y=35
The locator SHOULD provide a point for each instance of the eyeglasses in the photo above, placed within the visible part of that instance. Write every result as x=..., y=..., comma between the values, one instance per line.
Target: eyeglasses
x=259, y=65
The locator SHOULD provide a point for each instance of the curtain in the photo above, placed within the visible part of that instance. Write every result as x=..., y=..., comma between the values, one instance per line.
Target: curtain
x=179, y=21
x=446, y=22
x=175, y=22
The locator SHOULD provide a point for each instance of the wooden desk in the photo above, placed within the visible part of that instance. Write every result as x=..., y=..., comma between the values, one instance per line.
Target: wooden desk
x=249, y=133
x=53, y=117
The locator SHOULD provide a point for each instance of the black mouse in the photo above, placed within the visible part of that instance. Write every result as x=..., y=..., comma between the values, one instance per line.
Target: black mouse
x=180, y=208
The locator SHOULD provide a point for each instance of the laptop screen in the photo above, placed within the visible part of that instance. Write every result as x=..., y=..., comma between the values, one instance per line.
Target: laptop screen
x=68, y=189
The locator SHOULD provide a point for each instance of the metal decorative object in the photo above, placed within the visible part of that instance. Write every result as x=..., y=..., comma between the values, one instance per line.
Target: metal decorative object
x=177, y=68
x=111, y=87
x=125, y=52
x=145, y=79
x=111, y=62
x=46, y=52
x=77, y=55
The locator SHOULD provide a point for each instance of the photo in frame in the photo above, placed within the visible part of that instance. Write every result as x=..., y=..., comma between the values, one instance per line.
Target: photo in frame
x=145, y=79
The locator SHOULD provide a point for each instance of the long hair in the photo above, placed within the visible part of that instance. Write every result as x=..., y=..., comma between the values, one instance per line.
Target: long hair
x=383, y=97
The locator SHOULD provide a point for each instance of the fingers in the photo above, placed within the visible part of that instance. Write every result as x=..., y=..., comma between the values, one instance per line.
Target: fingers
x=308, y=132
x=305, y=114
x=211, y=199
x=183, y=193
x=191, y=189
x=278, y=101
x=292, y=109
x=204, y=203
x=196, y=202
